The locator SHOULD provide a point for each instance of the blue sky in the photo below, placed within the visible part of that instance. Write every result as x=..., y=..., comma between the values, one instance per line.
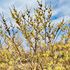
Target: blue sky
x=61, y=8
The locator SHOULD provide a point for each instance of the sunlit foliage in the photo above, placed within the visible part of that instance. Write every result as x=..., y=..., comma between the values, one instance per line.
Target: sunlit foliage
x=40, y=34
